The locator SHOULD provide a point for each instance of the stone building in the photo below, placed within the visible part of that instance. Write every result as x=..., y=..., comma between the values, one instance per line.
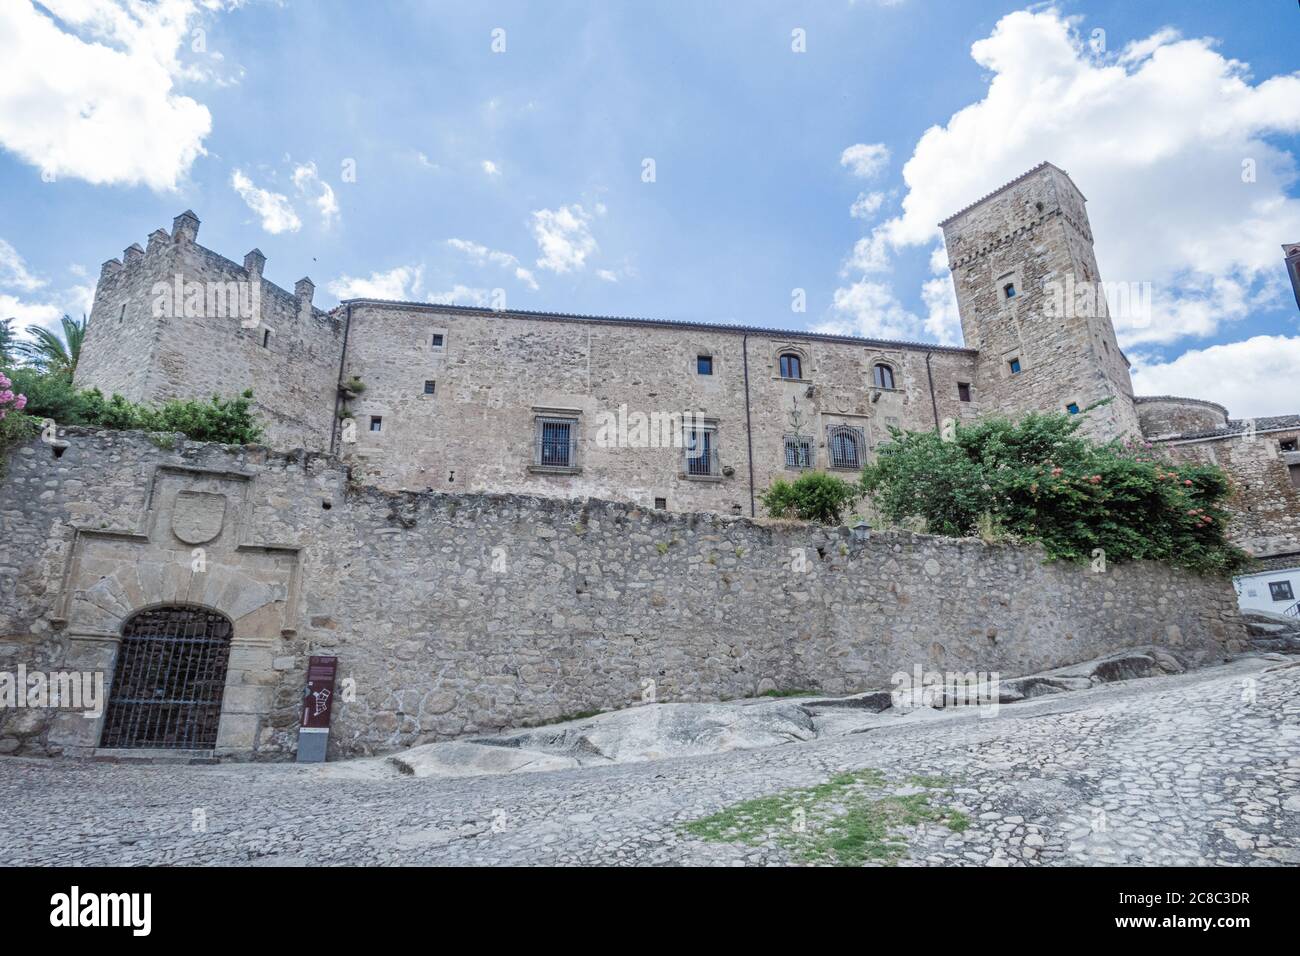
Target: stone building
x=683, y=416
x=495, y=517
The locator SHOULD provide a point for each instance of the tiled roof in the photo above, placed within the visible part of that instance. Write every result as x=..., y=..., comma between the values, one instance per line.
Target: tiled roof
x=660, y=323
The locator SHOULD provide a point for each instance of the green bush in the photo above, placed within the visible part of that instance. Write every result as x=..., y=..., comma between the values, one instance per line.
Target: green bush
x=228, y=421
x=815, y=496
x=1037, y=480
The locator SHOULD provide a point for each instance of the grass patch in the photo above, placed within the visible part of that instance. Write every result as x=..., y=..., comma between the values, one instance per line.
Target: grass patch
x=846, y=821
x=792, y=692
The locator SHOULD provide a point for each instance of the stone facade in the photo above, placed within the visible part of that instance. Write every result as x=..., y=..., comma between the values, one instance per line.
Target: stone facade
x=459, y=398
x=176, y=320
x=457, y=614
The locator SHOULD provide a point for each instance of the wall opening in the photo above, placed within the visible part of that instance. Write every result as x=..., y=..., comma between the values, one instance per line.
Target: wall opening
x=169, y=680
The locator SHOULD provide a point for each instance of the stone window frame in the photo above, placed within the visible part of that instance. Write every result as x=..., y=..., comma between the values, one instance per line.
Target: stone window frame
x=794, y=441
x=437, y=349
x=268, y=334
x=573, y=417
x=895, y=374
x=1009, y=277
x=692, y=422
x=713, y=363
x=1073, y=408
x=805, y=362
x=1018, y=355
x=430, y=389
x=856, y=431
x=969, y=394
x=372, y=422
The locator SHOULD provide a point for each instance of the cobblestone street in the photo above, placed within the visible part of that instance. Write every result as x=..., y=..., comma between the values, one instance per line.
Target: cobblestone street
x=1202, y=768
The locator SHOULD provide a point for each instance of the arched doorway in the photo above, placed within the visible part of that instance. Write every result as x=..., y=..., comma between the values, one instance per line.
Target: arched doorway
x=169, y=679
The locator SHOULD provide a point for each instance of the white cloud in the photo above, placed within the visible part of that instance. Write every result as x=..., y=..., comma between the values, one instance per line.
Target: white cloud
x=276, y=212
x=606, y=275
x=866, y=205
x=865, y=160
x=1250, y=378
x=462, y=295
x=480, y=254
x=870, y=309
x=308, y=182
x=88, y=89
x=13, y=270
x=26, y=313
x=491, y=168
x=564, y=238
x=401, y=284
x=1155, y=137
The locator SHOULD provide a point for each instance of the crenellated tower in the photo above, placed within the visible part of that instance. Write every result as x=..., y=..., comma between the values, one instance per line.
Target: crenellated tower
x=1031, y=301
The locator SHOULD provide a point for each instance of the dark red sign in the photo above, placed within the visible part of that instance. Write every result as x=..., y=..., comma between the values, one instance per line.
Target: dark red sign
x=318, y=695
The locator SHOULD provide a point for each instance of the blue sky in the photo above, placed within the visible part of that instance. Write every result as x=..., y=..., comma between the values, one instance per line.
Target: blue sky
x=524, y=170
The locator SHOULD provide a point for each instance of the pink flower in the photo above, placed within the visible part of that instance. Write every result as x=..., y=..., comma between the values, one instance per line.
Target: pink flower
x=20, y=403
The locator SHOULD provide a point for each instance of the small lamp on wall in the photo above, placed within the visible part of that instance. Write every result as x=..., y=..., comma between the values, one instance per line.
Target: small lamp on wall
x=861, y=531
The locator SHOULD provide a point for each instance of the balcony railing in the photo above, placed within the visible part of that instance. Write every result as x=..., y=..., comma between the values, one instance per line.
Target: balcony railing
x=702, y=464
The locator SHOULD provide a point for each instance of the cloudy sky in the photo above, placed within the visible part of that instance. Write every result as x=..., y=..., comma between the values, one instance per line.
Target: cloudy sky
x=686, y=159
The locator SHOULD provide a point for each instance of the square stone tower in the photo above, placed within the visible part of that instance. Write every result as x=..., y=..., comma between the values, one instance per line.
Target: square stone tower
x=1031, y=301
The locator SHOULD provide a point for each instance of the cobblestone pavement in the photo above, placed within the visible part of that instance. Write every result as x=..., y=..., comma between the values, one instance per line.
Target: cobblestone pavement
x=1203, y=768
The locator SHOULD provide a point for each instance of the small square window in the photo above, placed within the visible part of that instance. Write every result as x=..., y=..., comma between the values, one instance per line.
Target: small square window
x=1281, y=591
x=1009, y=290
x=429, y=386
x=376, y=423
x=661, y=504
x=1288, y=444
x=704, y=364
x=1072, y=408
x=963, y=391
x=1014, y=365
x=437, y=341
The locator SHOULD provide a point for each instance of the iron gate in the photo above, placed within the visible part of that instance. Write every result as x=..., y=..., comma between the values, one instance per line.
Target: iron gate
x=170, y=676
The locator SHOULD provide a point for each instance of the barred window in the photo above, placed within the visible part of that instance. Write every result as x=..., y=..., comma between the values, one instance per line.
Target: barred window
x=845, y=444
x=701, y=447
x=798, y=452
x=557, y=443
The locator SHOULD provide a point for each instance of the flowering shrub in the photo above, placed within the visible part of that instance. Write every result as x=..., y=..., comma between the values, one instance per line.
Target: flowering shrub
x=1039, y=481
x=9, y=402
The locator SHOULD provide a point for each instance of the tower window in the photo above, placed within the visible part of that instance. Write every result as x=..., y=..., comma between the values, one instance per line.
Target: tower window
x=1072, y=408
x=429, y=386
x=704, y=364
x=122, y=315
x=266, y=338
x=661, y=503
x=1009, y=290
x=791, y=366
x=1014, y=365
x=883, y=375
x=437, y=341
x=376, y=423
x=963, y=391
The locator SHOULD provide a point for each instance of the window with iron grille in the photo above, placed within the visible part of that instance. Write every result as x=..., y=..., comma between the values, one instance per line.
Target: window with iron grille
x=883, y=375
x=1281, y=591
x=845, y=444
x=701, y=447
x=429, y=386
x=798, y=452
x=557, y=443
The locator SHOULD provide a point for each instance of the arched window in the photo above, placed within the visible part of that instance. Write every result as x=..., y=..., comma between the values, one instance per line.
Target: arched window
x=845, y=444
x=883, y=375
x=791, y=365
x=169, y=679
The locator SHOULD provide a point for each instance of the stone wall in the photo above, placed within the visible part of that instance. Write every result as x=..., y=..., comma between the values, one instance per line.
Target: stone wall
x=150, y=344
x=459, y=614
x=495, y=374
x=1165, y=415
x=1031, y=232
x=1265, y=502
